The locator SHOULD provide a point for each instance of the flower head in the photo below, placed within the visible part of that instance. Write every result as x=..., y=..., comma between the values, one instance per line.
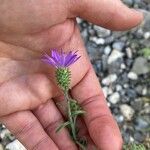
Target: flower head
x=61, y=59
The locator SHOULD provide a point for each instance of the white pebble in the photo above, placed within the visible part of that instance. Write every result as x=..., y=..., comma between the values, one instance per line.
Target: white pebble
x=127, y=111
x=109, y=79
x=114, y=98
x=114, y=56
x=132, y=76
x=15, y=145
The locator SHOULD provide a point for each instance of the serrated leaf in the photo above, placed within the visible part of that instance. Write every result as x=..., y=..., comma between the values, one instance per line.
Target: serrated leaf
x=62, y=126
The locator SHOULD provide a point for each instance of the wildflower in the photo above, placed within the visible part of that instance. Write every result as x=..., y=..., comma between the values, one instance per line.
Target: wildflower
x=61, y=61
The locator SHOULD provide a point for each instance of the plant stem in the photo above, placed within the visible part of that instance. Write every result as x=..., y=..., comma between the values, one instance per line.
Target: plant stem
x=73, y=128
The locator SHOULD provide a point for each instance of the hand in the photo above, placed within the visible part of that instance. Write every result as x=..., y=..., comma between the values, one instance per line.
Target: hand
x=28, y=92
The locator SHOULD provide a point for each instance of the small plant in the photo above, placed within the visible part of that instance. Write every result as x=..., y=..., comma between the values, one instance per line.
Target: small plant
x=61, y=61
x=134, y=147
x=145, y=52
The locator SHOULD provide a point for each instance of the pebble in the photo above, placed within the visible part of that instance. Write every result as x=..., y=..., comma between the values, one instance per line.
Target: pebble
x=132, y=76
x=118, y=87
x=98, y=41
x=114, y=98
x=107, y=91
x=109, y=79
x=147, y=35
x=4, y=133
x=118, y=45
x=141, y=66
x=1, y=147
x=129, y=52
x=15, y=145
x=128, y=2
x=107, y=50
x=114, y=56
x=127, y=111
x=101, y=32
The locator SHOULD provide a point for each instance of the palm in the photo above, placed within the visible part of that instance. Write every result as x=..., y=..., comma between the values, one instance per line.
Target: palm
x=28, y=86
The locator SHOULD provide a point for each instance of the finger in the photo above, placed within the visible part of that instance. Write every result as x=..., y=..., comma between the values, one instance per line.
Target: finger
x=25, y=92
x=112, y=14
x=99, y=121
x=51, y=119
x=29, y=131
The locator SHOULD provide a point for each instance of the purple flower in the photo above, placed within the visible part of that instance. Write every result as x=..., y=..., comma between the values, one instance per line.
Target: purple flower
x=61, y=59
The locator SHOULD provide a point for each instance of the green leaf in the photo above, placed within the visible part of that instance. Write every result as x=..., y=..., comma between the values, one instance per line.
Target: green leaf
x=63, y=125
x=78, y=112
x=134, y=147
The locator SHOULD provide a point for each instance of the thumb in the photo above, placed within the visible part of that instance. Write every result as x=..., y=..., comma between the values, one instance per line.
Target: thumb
x=111, y=14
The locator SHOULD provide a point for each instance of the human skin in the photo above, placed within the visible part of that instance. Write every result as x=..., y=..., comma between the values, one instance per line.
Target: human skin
x=28, y=91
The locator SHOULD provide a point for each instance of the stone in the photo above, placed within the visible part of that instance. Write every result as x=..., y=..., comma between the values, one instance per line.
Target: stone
x=141, y=124
x=101, y=32
x=119, y=118
x=15, y=145
x=118, y=45
x=114, y=56
x=1, y=147
x=98, y=41
x=107, y=91
x=109, y=79
x=129, y=52
x=4, y=133
x=138, y=136
x=141, y=66
x=131, y=93
x=132, y=76
x=127, y=111
x=147, y=35
x=107, y=50
x=128, y=2
x=118, y=87
x=114, y=98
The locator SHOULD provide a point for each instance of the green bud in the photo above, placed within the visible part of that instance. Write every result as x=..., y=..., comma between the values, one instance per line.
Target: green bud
x=63, y=76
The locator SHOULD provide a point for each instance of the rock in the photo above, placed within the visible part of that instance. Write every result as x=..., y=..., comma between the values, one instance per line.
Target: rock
x=107, y=50
x=131, y=93
x=141, y=66
x=107, y=91
x=104, y=62
x=101, y=32
x=98, y=41
x=118, y=87
x=114, y=98
x=4, y=133
x=147, y=35
x=123, y=66
x=137, y=104
x=141, y=124
x=129, y=52
x=128, y=2
x=15, y=145
x=1, y=147
x=127, y=111
x=119, y=118
x=109, y=79
x=114, y=56
x=146, y=22
x=132, y=76
x=118, y=45
x=138, y=136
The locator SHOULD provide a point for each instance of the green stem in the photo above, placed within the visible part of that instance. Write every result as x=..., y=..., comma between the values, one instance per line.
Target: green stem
x=73, y=129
